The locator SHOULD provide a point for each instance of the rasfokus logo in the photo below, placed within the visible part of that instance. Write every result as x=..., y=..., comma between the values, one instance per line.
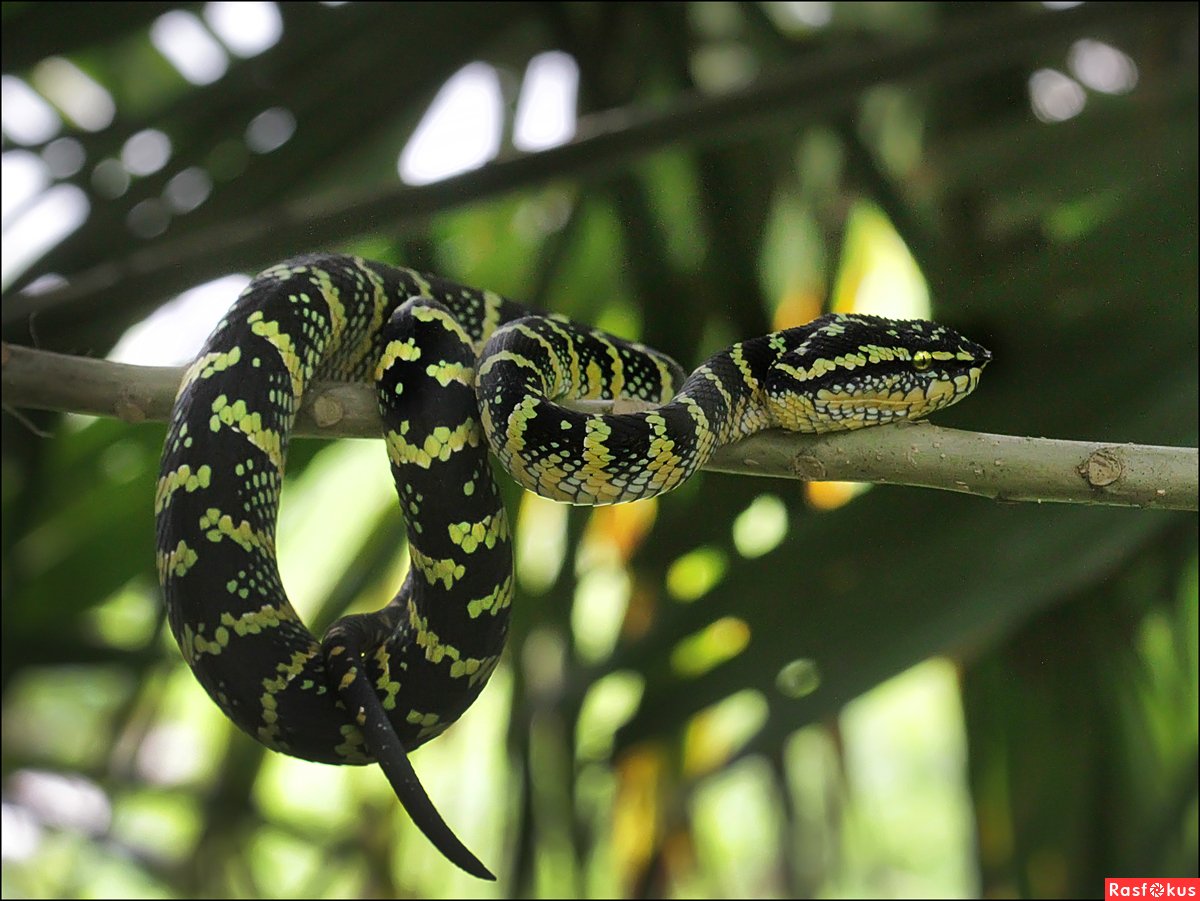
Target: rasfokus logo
x=1165, y=887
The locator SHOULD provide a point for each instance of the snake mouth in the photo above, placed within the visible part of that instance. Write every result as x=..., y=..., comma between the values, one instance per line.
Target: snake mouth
x=933, y=395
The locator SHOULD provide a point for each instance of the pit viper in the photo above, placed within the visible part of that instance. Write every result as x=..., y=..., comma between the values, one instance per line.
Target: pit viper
x=458, y=372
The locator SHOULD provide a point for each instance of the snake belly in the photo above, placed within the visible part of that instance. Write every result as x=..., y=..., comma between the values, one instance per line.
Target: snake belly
x=380, y=684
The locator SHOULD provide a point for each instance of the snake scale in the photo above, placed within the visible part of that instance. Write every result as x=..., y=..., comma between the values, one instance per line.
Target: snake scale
x=459, y=372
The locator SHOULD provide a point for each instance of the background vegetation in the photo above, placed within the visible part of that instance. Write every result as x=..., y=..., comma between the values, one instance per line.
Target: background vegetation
x=682, y=708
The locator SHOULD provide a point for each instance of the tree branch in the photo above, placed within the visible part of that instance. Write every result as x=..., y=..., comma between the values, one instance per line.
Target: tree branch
x=1002, y=467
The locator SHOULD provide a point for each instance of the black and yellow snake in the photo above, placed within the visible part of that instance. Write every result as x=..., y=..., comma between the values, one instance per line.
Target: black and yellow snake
x=458, y=372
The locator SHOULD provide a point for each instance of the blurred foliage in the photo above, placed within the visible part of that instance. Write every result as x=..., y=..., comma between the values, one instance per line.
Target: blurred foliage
x=677, y=713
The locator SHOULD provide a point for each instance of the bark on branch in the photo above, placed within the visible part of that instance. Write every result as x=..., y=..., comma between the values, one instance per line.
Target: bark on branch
x=1002, y=467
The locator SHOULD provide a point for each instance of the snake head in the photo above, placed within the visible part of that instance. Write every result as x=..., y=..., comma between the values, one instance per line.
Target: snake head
x=849, y=371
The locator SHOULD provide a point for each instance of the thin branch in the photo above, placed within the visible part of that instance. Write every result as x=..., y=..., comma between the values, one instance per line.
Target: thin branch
x=1002, y=467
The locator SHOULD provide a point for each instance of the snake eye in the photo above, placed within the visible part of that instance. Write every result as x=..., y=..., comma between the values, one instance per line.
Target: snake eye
x=922, y=360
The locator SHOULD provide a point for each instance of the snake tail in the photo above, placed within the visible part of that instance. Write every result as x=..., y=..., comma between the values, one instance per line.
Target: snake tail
x=433, y=647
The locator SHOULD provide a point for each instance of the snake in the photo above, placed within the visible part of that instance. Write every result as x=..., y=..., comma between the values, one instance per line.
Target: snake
x=460, y=374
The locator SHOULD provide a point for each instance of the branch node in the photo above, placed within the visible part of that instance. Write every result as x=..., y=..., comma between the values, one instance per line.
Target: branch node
x=808, y=468
x=128, y=411
x=327, y=411
x=1101, y=468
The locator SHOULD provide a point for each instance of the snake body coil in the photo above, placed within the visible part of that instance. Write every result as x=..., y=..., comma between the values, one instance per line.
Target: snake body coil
x=458, y=372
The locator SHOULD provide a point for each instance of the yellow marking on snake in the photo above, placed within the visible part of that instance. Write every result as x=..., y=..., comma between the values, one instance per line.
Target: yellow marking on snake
x=506, y=356
x=352, y=748
x=217, y=525
x=328, y=292
x=471, y=535
x=426, y=289
x=195, y=645
x=720, y=386
x=616, y=369
x=255, y=621
x=448, y=322
x=493, y=602
x=384, y=683
x=554, y=386
x=595, y=380
x=379, y=308
x=492, y=304
x=287, y=351
x=424, y=719
x=662, y=446
x=573, y=370
x=404, y=351
x=738, y=355
x=437, y=445
x=445, y=373
x=877, y=353
x=210, y=364
x=436, y=570
x=596, y=457
x=184, y=478
x=514, y=432
x=177, y=562
x=437, y=651
x=664, y=371
x=236, y=416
